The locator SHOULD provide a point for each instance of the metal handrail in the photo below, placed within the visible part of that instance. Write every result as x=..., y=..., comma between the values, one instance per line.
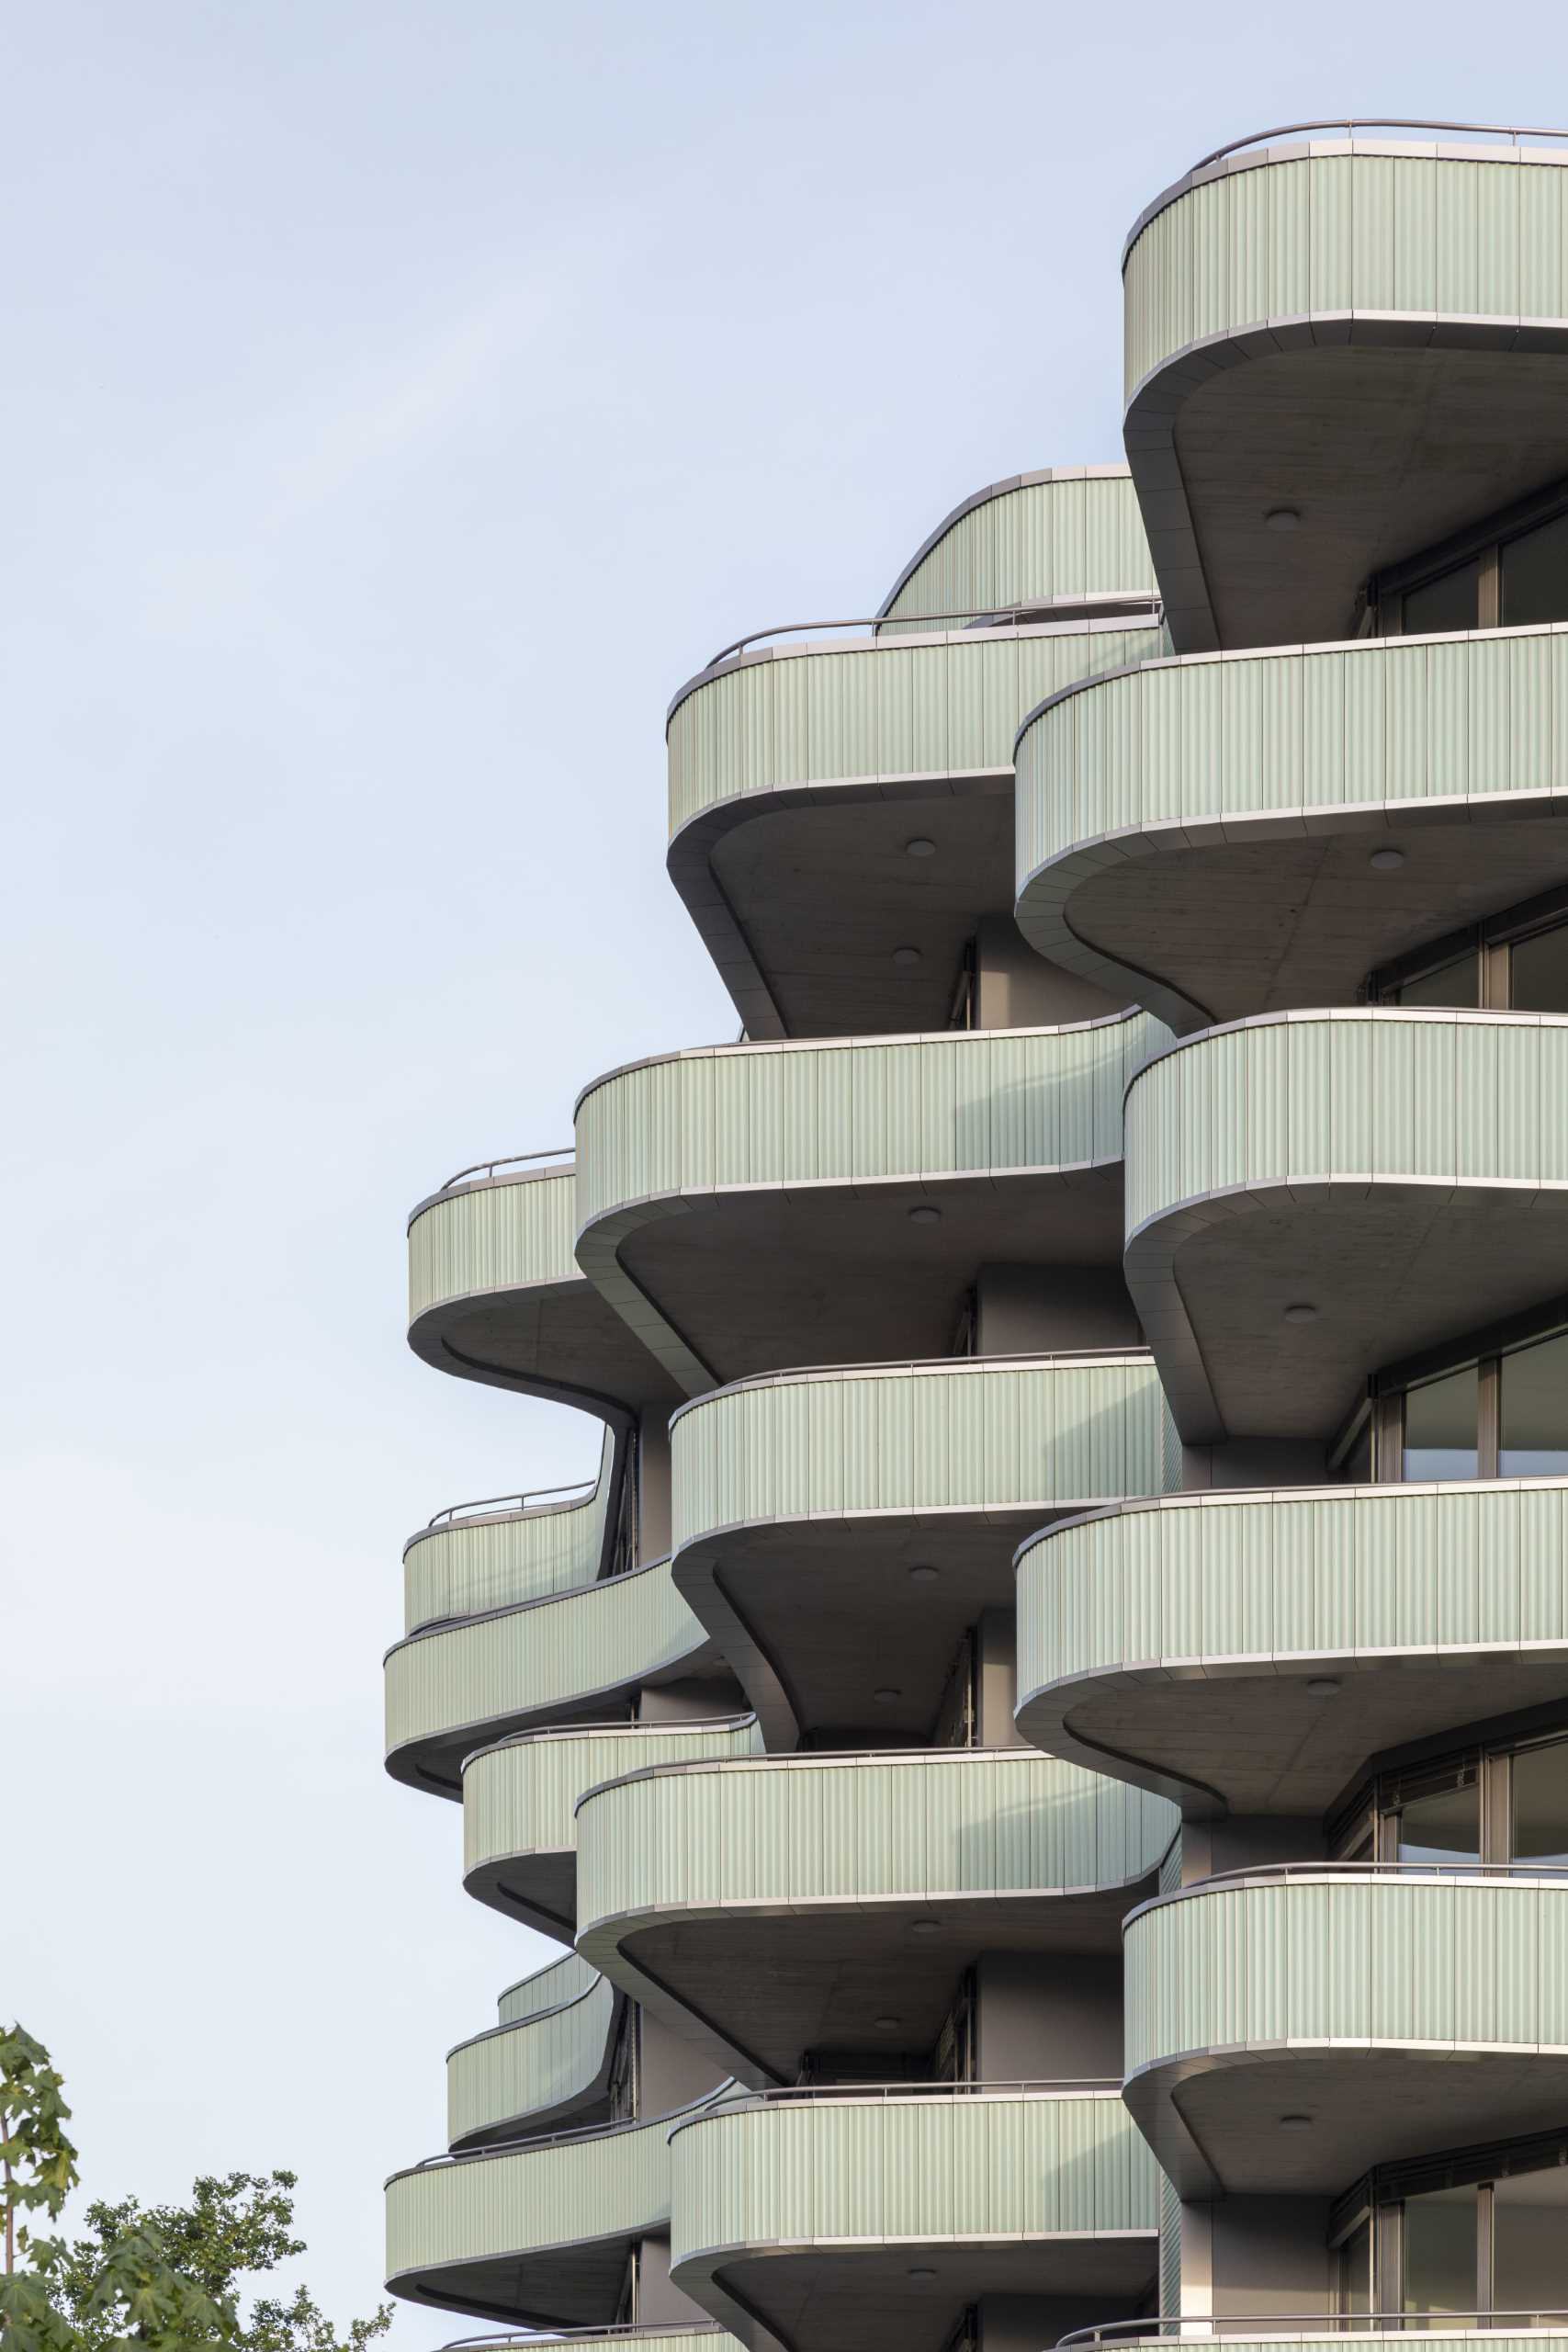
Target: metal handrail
x=1153, y=2329
x=895, y=1365
x=782, y=2092
x=1353, y=123
x=1000, y=616
x=508, y=1160
x=1417, y=1870
x=513, y=1502
x=559, y=2139
x=618, y=2328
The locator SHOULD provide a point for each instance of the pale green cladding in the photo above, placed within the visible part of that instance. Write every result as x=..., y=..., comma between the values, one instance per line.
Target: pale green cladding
x=509, y=1235
x=963, y=1102
x=539, y=1656
x=847, y=2170
x=1336, y=1958
x=966, y=1437
x=1069, y=532
x=460, y=1566
x=546, y=1988
x=1220, y=739
x=946, y=707
x=1401, y=1096
x=541, y=2066
x=845, y=1832
x=1275, y=1579
x=611, y=2183
x=518, y=1798
x=1294, y=236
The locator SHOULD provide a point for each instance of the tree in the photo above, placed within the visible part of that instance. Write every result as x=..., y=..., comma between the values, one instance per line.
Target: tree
x=162, y=2277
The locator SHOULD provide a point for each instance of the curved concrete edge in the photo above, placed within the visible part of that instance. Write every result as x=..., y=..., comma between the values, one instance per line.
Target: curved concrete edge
x=1046, y=891
x=410, y=2287
x=428, y=1338
x=416, y=1762
x=602, y=1940
x=933, y=539
x=689, y=861
x=1155, y=1245
x=593, y=2085
x=1154, y=408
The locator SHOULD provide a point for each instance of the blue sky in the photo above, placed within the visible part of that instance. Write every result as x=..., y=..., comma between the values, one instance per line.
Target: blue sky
x=400, y=402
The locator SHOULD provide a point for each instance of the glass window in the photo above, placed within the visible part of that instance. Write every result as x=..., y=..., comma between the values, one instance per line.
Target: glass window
x=1535, y=575
x=1440, y=2251
x=1440, y=1424
x=1452, y=601
x=1355, y=2271
x=1538, y=971
x=1455, y=983
x=1530, y=2242
x=1539, y=1831
x=1444, y=1826
x=1533, y=1437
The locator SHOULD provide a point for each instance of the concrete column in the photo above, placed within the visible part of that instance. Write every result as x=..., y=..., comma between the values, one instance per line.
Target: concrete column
x=1016, y=989
x=653, y=1487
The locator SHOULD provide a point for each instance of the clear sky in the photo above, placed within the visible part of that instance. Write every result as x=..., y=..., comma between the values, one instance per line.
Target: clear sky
x=400, y=402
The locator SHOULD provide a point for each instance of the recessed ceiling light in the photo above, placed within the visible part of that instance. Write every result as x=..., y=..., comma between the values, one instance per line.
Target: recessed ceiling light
x=920, y=2270
x=888, y=2025
x=923, y=1574
x=920, y=847
x=1283, y=518
x=1322, y=1686
x=925, y=1926
x=906, y=955
x=1386, y=861
x=925, y=1215
x=1295, y=2123
x=886, y=1695
x=1302, y=1312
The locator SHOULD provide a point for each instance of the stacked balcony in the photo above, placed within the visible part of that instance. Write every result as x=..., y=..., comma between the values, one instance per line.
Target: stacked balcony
x=1044, y=1748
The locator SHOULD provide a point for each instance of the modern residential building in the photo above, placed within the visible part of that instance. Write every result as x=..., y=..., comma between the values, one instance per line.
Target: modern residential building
x=1045, y=1747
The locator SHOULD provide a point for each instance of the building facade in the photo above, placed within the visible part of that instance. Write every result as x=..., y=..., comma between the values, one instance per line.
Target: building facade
x=1044, y=1746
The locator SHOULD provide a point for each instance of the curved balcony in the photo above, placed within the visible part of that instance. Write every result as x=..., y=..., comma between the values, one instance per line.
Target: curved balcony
x=504, y=1549
x=519, y=1843
x=1069, y=535
x=750, y=1206
x=582, y=1654
x=827, y=930
x=551, y=2062
x=1251, y=1652
x=873, y=2217
x=1201, y=832
x=793, y=1903
x=1396, y=2009
x=1321, y=327
x=1401, y=1173
x=496, y=1294
x=539, y=2233
x=840, y=1531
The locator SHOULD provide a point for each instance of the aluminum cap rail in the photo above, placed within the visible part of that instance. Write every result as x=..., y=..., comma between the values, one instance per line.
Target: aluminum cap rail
x=504, y=1506
x=559, y=2140
x=1353, y=123
x=1162, y=2328
x=738, y=2100
x=619, y=1724
x=485, y=1168
x=892, y=1365
x=1040, y=608
x=620, y=2330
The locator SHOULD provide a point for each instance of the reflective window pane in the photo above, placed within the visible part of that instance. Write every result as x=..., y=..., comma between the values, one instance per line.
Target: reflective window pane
x=1535, y=575
x=1441, y=2273
x=1441, y=1423
x=1448, y=602
x=1355, y=2269
x=1530, y=2242
x=1533, y=1439
x=1541, y=1809
x=1456, y=983
x=1538, y=972
x=1442, y=1827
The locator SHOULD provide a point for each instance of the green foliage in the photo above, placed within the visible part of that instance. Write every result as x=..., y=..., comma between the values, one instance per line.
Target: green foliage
x=38, y=2162
x=144, y=2279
